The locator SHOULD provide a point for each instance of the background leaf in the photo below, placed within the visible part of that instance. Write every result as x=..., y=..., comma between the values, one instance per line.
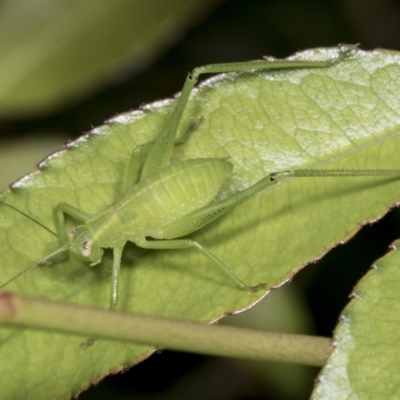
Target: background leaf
x=18, y=157
x=44, y=57
x=342, y=117
x=366, y=356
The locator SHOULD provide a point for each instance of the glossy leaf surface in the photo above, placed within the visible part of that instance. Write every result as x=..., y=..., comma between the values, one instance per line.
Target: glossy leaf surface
x=346, y=116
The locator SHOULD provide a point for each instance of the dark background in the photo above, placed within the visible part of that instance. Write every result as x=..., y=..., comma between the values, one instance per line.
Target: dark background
x=238, y=30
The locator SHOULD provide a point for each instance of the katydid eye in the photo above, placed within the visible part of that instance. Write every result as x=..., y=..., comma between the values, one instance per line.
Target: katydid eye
x=71, y=233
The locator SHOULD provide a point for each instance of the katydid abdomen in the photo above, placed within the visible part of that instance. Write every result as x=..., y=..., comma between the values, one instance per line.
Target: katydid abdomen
x=163, y=197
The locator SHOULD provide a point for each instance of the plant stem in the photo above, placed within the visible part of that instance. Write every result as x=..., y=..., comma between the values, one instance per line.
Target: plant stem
x=164, y=332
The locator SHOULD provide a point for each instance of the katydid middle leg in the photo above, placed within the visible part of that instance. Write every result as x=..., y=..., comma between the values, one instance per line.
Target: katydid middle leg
x=188, y=243
x=196, y=220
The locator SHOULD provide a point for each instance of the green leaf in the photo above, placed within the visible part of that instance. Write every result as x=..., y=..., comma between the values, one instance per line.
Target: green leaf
x=55, y=51
x=365, y=362
x=342, y=117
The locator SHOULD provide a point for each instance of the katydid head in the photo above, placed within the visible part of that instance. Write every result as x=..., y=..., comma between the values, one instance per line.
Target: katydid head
x=83, y=244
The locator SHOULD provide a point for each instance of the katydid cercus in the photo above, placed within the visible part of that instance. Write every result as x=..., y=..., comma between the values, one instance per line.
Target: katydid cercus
x=163, y=202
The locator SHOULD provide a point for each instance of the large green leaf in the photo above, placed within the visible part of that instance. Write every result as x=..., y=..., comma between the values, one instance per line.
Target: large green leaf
x=53, y=51
x=342, y=117
x=365, y=362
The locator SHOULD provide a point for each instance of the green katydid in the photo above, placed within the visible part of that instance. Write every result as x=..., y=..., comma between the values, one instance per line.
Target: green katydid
x=162, y=202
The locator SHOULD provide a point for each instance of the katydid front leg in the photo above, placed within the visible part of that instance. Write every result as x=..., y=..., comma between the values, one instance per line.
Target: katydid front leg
x=81, y=216
x=61, y=211
x=117, y=253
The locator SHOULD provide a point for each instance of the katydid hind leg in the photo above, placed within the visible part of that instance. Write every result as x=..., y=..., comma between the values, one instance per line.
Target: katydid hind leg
x=197, y=219
x=135, y=163
x=161, y=151
x=140, y=154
